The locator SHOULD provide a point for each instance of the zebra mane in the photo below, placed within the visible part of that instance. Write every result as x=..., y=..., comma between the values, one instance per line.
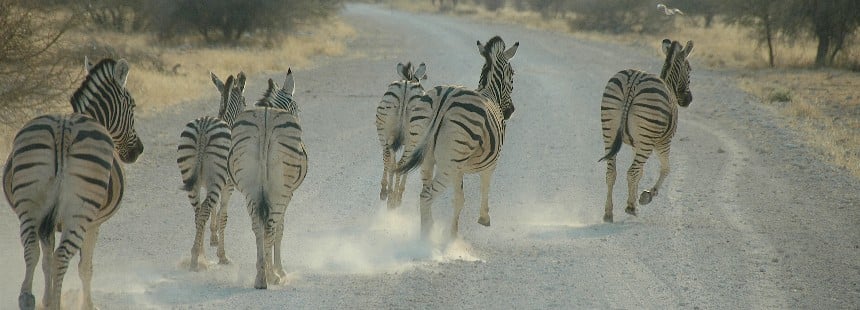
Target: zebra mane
x=492, y=49
x=671, y=56
x=277, y=97
x=103, y=71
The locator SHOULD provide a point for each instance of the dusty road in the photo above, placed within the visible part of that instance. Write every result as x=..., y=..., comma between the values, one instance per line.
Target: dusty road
x=747, y=219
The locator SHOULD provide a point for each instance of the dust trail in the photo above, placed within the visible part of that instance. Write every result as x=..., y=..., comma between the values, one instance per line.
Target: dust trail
x=386, y=241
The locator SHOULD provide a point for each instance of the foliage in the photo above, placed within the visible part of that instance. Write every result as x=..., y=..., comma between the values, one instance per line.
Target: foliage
x=619, y=16
x=34, y=71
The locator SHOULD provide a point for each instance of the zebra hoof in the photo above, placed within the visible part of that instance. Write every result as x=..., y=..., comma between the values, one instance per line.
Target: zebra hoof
x=260, y=283
x=224, y=261
x=26, y=301
x=213, y=242
x=645, y=197
x=383, y=195
x=484, y=221
x=607, y=218
x=631, y=211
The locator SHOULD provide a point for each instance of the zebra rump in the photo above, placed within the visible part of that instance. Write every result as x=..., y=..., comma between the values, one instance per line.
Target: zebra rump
x=203, y=137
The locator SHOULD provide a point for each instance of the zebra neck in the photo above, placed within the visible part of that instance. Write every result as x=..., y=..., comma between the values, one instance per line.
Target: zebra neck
x=86, y=107
x=491, y=93
x=669, y=75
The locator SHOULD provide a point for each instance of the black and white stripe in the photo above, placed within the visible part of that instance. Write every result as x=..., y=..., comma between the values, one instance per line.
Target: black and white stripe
x=394, y=124
x=268, y=163
x=640, y=109
x=465, y=134
x=64, y=175
x=202, y=153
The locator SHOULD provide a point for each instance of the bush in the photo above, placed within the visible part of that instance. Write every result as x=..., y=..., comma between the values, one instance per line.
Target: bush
x=620, y=16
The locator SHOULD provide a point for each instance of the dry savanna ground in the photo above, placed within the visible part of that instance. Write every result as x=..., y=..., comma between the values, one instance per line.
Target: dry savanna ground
x=822, y=105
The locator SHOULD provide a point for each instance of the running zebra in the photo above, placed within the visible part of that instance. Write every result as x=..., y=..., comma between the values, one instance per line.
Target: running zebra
x=392, y=116
x=204, y=145
x=466, y=135
x=268, y=162
x=639, y=109
x=64, y=175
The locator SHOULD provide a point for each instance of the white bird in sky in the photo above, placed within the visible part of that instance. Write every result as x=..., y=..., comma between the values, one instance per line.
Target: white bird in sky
x=667, y=10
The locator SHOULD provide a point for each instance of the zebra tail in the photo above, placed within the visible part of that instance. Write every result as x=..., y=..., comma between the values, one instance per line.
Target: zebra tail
x=49, y=222
x=398, y=139
x=413, y=160
x=263, y=207
x=616, y=144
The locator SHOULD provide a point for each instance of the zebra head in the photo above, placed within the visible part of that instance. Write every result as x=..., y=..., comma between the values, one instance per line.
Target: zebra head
x=676, y=70
x=497, y=76
x=281, y=98
x=103, y=96
x=232, y=97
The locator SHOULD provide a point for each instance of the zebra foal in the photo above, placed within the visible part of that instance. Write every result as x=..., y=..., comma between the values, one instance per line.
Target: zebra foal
x=202, y=153
x=640, y=109
x=392, y=119
x=268, y=162
x=64, y=175
x=465, y=135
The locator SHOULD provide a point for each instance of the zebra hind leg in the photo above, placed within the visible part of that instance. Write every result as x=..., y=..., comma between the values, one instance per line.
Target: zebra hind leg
x=459, y=201
x=29, y=239
x=278, y=237
x=222, y=223
x=387, y=174
x=47, y=242
x=62, y=255
x=271, y=276
x=85, y=266
x=610, y=183
x=634, y=174
x=257, y=226
x=201, y=214
x=486, y=177
x=213, y=229
x=647, y=195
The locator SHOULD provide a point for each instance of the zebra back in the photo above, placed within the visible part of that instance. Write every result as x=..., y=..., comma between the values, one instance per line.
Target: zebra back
x=471, y=123
x=103, y=96
x=642, y=108
x=268, y=159
x=400, y=107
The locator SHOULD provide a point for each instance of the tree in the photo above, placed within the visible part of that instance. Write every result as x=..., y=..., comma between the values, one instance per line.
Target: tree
x=831, y=22
x=762, y=15
x=34, y=70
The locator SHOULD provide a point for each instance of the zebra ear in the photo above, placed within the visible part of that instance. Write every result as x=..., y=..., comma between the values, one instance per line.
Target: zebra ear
x=419, y=73
x=666, y=45
x=229, y=84
x=511, y=51
x=289, y=83
x=240, y=81
x=401, y=69
x=121, y=71
x=218, y=84
x=87, y=64
x=480, y=47
x=688, y=49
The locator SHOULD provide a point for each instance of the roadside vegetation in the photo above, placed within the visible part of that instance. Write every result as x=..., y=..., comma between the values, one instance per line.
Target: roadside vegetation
x=171, y=45
x=800, y=58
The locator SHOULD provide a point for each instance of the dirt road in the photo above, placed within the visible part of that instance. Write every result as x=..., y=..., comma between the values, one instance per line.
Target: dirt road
x=748, y=218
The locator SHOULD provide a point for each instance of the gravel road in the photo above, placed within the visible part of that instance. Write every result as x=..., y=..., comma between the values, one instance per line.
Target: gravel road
x=748, y=218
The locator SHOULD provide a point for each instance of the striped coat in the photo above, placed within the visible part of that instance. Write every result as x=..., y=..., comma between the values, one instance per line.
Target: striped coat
x=641, y=109
x=202, y=153
x=268, y=162
x=64, y=175
x=465, y=135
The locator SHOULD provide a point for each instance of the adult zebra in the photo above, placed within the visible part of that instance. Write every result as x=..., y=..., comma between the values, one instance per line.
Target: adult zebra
x=465, y=134
x=203, y=148
x=268, y=162
x=392, y=118
x=64, y=175
x=639, y=109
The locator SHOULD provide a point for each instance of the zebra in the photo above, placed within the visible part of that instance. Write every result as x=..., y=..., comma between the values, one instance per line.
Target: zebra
x=202, y=158
x=465, y=135
x=64, y=175
x=268, y=162
x=639, y=109
x=392, y=116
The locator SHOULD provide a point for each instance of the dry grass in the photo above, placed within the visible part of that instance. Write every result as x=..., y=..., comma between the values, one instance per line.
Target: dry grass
x=155, y=84
x=155, y=89
x=822, y=105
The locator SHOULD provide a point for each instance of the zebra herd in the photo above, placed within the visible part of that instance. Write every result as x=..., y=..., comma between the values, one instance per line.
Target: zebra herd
x=64, y=173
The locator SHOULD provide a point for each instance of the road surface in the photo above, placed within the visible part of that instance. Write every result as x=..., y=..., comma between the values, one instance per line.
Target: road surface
x=748, y=218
